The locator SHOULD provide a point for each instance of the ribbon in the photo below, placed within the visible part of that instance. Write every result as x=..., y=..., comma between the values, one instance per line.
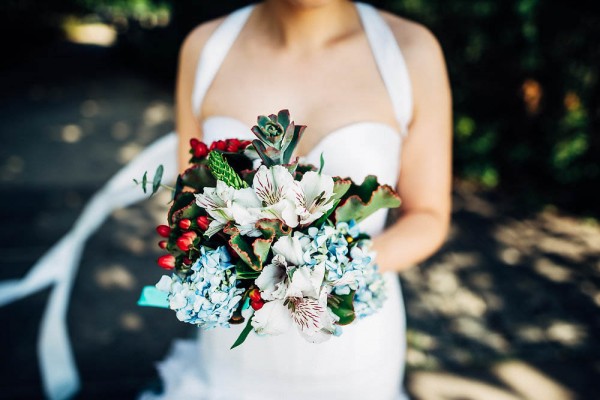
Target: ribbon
x=58, y=266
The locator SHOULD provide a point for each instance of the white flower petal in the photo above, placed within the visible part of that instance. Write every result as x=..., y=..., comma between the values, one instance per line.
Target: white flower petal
x=313, y=184
x=290, y=248
x=271, y=282
x=272, y=319
x=272, y=184
x=164, y=284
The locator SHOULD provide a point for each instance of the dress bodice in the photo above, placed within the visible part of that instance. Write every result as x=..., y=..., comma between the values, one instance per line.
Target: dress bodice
x=354, y=150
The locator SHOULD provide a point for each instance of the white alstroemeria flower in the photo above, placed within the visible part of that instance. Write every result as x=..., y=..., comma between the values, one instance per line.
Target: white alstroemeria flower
x=272, y=280
x=314, y=196
x=295, y=296
x=246, y=210
x=217, y=202
x=292, y=248
x=224, y=203
x=275, y=188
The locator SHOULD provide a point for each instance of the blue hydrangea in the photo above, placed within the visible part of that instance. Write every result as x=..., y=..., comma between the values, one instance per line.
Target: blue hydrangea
x=370, y=294
x=349, y=265
x=208, y=296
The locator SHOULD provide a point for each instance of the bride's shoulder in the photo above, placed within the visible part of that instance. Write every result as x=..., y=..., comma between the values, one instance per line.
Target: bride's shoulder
x=417, y=42
x=196, y=39
x=420, y=48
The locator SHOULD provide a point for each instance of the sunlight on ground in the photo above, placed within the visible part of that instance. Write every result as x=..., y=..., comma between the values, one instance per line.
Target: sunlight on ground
x=115, y=276
x=131, y=322
x=90, y=33
x=521, y=382
x=71, y=133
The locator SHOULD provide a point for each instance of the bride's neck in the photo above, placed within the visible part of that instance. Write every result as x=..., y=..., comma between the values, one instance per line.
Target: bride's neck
x=294, y=24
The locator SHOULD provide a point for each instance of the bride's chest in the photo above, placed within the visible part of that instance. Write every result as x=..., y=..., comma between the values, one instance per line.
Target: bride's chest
x=324, y=94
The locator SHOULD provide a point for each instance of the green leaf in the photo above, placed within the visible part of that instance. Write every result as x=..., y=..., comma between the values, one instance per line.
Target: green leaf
x=261, y=150
x=157, y=178
x=243, y=271
x=273, y=228
x=178, y=188
x=287, y=154
x=180, y=202
x=198, y=177
x=343, y=307
x=340, y=188
x=144, y=181
x=244, y=334
x=321, y=163
x=354, y=208
x=254, y=254
x=366, y=189
x=283, y=118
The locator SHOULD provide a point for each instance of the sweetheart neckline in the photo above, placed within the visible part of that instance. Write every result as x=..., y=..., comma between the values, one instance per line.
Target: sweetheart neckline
x=389, y=128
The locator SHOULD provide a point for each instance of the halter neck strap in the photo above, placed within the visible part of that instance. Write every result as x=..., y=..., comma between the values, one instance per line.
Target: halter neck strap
x=385, y=49
x=214, y=52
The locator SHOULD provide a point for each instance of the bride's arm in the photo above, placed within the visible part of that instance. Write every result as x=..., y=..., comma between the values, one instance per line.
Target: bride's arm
x=187, y=124
x=426, y=171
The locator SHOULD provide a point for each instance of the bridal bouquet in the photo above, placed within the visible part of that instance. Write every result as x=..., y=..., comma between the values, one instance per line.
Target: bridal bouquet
x=252, y=237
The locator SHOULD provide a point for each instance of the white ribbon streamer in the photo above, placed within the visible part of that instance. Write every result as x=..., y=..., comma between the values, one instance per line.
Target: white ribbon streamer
x=58, y=266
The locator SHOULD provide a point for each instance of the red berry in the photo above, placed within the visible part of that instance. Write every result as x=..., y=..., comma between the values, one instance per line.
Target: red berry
x=162, y=244
x=187, y=261
x=186, y=240
x=244, y=144
x=185, y=224
x=167, y=261
x=233, y=145
x=203, y=222
x=257, y=305
x=219, y=145
x=254, y=295
x=163, y=230
x=194, y=142
x=201, y=150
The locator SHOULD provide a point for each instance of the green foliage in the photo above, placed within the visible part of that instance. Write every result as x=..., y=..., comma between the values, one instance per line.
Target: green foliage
x=343, y=307
x=245, y=332
x=221, y=170
x=524, y=77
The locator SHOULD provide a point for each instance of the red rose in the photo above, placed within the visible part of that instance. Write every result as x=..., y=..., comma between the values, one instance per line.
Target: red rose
x=185, y=224
x=167, y=261
x=163, y=231
x=203, y=222
x=186, y=240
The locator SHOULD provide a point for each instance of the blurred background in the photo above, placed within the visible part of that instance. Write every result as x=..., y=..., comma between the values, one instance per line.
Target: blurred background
x=507, y=309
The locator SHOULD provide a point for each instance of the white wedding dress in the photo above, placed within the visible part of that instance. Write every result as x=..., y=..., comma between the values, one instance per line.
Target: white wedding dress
x=365, y=362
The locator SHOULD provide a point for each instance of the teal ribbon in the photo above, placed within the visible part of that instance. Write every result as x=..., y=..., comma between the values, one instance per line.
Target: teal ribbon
x=152, y=297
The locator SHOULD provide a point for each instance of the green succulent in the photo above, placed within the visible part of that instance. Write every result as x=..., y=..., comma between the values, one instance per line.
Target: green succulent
x=277, y=138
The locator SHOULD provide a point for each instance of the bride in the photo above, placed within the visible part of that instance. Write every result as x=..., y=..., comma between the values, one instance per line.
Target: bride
x=373, y=90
